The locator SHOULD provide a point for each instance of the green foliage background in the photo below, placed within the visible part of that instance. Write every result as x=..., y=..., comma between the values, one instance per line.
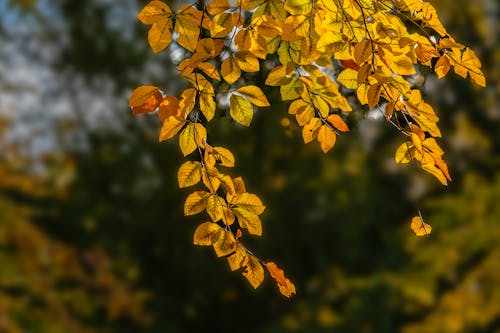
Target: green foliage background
x=92, y=237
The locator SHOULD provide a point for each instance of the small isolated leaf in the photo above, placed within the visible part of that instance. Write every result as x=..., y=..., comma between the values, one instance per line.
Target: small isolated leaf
x=195, y=203
x=254, y=95
x=419, y=227
x=241, y=110
x=226, y=244
x=327, y=138
x=285, y=286
x=254, y=272
x=207, y=234
x=189, y=174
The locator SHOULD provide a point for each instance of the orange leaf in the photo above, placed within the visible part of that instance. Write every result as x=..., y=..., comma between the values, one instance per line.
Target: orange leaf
x=286, y=287
x=145, y=99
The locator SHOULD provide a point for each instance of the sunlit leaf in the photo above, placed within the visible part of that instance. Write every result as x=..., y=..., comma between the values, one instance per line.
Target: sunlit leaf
x=419, y=227
x=241, y=110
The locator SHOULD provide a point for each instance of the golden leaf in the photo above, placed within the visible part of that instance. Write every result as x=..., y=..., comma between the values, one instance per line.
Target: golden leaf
x=419, y=227
x=253, y=270
x=349, y=78
x=191, y=137
x=310, y=131
x=230, y=70
x=210, y=70
x=241, y=110
x=248, y=220
x=195, y=203
x=222, y=25
x=254, y=95
x=298, y=7
x=207, y=234
x=218, y=6
x=250, y=202
x=145, y=99
x=214, y=205
x=226, y=244
x=160, y=36
x=326, y=138
x=155, y=11
x=207, y=106
x=404, y=153
x=169, y=107
x=189, y=174
x=236, y=259
x=171, y=127
x=225, y=157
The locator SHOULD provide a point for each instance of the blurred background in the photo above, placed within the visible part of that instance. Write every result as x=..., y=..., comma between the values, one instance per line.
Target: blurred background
x=92, y=237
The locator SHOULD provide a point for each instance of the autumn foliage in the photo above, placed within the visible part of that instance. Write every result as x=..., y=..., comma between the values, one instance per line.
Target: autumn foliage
x=313, y=52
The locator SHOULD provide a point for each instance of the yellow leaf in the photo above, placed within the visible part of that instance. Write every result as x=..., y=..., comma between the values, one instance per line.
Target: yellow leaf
x=225, y=157
x=295, y=28
x=195, y=203
x=222, y=25
x=171, y=126
x=362, y=51
x=326, y=138
x=239, y=185
x=291, y=90
x=214, y=207
x=442, y=66
x=250, y=4
x=226, y=244
x=210, y=70
x=236, y=259
x=310, y=131
x=155, y=11
x=229, y=217
x=419, y=227
x=210, y=179
x=278, y=76
x=337, y=122
x=298, y=7
x=230, y=70
x=285, y=286
x=187, y=101
x=241, y=110
x=250, y=202
x=188, y=31
x=404, y=153
x=254, y=272
x=247, y=62
x=218, y=6
x=227, y=183
x=207, y=106
x=200, y=83
x=254, y=95
x=160, y=36
x=402, y=64
x=349, y=78
x=248, y=220
x=191, y=137
x=189, y=174
x=207, y=234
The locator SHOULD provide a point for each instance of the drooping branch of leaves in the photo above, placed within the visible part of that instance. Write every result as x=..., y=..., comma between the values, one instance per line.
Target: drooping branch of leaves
x=380, y=45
